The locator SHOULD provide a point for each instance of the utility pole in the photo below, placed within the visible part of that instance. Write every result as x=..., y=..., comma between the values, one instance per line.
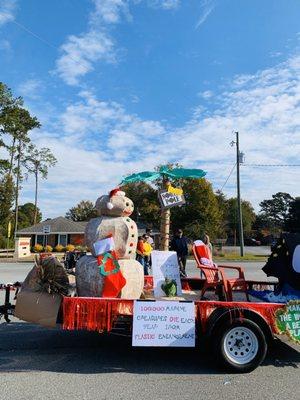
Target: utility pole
x=239, y=160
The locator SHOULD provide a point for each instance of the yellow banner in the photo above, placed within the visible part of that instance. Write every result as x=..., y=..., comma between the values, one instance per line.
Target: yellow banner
x=176, y=191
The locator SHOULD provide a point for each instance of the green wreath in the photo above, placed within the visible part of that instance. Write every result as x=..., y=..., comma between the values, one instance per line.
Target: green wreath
x=106, y=256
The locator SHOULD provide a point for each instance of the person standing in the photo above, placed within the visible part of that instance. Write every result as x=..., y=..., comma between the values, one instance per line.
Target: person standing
x=179, y=244
x=140, y=251
x=147, y=254
x=151, y=242
x=150, y=238
x=207, y=242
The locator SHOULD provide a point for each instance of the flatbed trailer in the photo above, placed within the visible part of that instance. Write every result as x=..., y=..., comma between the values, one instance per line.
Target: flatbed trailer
x=238, y=332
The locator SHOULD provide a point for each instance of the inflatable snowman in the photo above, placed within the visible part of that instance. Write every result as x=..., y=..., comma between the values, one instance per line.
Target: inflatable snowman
x=112, y=237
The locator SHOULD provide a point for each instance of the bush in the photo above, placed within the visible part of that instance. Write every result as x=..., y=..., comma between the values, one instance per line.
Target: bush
x=70, y=247
x=81, y=248
x=59, y=248
x=48, y=248
x=38, y=248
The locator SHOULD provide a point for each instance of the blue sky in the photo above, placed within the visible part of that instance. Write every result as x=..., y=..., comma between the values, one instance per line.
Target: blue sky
x=121, y=86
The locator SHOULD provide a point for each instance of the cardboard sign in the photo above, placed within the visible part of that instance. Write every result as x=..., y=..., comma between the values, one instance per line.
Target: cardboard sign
x=168, y=199
x=164, y=265
x=38, y=307
x=288, y=320
x=163, y=324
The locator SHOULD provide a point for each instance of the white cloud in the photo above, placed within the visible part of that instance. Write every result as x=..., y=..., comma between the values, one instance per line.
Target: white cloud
x=7, y=11
x=110, y=11
x=100, y=141
x=80, y=52
x=207, y=7
x=275, y=54
x=164, y=4
x=30, y=89
x=5, y=45
x=207, y=94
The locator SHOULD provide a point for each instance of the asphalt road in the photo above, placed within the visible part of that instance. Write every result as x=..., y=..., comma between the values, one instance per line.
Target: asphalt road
x=11, y=272
x=38, y=363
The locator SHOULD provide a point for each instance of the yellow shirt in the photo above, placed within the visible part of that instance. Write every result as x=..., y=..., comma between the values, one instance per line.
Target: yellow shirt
x=147, y=249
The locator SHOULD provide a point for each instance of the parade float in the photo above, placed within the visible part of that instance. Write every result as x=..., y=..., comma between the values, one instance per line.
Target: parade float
x=110, y=293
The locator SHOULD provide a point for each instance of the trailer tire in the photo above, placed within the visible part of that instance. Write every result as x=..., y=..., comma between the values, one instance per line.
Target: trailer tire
x=239, y=345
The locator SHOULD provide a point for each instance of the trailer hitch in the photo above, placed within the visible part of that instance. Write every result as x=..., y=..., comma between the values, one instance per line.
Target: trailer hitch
x=8, y=308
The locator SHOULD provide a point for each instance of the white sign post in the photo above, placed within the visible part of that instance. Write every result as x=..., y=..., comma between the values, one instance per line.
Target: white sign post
x=164, y=265
x=163, y=324
x=46, y=229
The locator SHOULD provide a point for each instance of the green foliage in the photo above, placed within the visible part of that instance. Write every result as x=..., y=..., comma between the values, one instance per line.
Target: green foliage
x=70, y=247
x=15, y=125
x=231, y=216
x=26, y=215
x=201, y=213
x=38, y=248
x=37, y=161
x=276, y=210
x=59, y=248
x=81, y=248
x=83, y=211
x=6, y=199
x=7, y=99
x=146, y=204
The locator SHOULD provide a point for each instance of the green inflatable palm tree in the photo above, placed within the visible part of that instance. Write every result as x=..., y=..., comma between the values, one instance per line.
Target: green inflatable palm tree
x=164, y=172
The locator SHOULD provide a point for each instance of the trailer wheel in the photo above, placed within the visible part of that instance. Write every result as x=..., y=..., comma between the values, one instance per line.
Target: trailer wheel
x=240, y=345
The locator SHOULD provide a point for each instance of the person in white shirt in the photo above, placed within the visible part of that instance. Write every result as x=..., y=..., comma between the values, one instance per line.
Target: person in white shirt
x=150, y=239
x=151, y=242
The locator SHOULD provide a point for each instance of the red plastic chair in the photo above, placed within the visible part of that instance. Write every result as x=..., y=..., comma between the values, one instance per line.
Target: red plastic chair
x=212, y=278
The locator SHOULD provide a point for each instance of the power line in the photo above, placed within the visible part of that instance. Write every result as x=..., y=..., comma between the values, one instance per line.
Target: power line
x=232, y=169
x=271, y=165
x=45, y=41
x=35, y=35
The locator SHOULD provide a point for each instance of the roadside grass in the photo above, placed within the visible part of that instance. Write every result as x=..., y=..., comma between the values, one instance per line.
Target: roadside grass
x=231, y=256
x=237, y=257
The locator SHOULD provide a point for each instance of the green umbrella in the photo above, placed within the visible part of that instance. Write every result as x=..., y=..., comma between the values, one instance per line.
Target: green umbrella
x=164, y=171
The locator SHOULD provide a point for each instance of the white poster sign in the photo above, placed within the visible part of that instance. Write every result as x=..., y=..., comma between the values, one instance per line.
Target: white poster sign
x=168, y=199
x=164, y=265
x=163, y=324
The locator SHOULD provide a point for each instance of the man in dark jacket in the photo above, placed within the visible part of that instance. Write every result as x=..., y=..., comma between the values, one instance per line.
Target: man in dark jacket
x=179, y=244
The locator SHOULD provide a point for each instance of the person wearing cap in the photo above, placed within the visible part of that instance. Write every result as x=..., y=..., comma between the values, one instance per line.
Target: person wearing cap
x=179, y=244
x=143, y=252
x=150, y=239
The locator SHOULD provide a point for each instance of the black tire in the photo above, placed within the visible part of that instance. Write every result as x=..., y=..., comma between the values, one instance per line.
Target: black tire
x=245, y=351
